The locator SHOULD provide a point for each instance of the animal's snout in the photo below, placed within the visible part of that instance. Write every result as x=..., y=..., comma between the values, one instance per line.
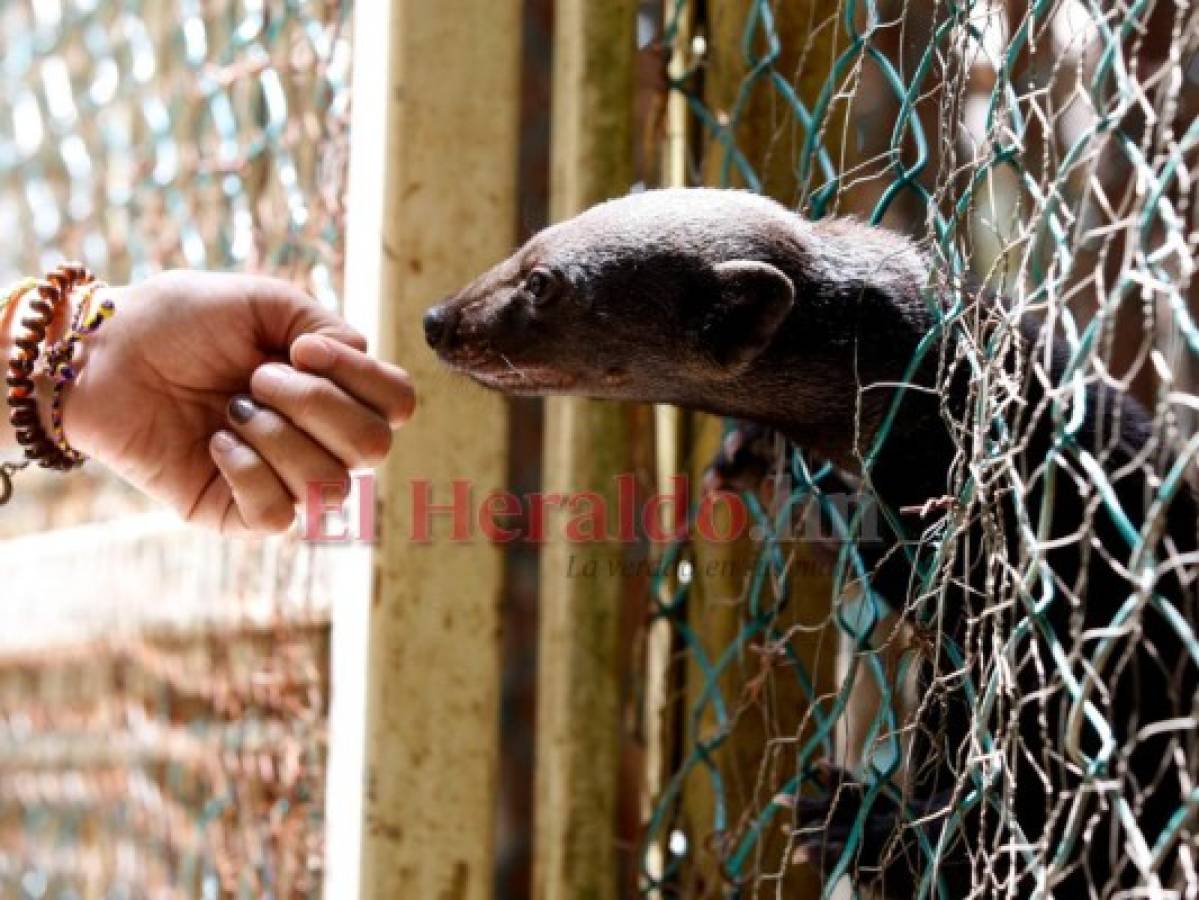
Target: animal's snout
x=440, y=322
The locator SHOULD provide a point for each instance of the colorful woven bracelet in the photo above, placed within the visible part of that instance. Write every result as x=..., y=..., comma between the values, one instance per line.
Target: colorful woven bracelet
x=55, y=293
x=60, y=359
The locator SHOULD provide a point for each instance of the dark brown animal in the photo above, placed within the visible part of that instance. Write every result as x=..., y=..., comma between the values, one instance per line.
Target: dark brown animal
x=726, y=302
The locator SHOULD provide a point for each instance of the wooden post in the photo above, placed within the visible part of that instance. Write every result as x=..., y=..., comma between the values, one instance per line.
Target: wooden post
x=586, y=445
x=434, y=174
x=660, y=703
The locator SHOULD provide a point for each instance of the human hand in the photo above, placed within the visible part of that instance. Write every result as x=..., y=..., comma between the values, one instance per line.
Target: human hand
x=224, y=396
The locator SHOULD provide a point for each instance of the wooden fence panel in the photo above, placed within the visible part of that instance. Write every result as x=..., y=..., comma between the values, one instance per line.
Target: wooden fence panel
x=586, y=445
x=450, y=116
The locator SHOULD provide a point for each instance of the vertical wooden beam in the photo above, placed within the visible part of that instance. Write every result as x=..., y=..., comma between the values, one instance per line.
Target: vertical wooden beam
x=660, y=702
x=586, y=445
x=449, y=117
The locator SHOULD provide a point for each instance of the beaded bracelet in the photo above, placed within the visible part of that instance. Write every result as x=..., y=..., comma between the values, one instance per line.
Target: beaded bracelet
x=54, y=293
x=10, y=297
x=8, y=306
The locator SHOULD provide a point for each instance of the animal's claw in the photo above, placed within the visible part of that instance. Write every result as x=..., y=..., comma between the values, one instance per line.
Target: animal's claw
x=745, y=458
x=825, y=827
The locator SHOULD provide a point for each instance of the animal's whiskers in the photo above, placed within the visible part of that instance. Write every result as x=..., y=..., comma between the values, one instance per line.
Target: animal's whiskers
x=516, y=371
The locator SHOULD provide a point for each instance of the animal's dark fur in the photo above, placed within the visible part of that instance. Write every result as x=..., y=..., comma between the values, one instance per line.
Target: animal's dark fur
x=726, y=302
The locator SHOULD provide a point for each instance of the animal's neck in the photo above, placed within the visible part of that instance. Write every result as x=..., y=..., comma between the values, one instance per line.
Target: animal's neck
x=906, y=461
x=830, y=377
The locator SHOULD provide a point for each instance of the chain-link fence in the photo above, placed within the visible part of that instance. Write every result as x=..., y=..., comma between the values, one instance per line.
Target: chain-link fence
x=1001, y=700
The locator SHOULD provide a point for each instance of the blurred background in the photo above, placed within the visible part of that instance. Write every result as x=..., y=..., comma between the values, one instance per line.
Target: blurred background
x=163, y=727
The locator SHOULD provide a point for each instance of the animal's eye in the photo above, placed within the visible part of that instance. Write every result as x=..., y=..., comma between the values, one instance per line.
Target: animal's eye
x=541, y=285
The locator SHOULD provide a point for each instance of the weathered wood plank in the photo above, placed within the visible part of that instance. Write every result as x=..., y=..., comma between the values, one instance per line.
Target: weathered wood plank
x=586, y=445
x=448, y=191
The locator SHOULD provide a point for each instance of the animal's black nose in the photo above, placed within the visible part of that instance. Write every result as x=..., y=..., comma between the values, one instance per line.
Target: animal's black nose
x=439, y=325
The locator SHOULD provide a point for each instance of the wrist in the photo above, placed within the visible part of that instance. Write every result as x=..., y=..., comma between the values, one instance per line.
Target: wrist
x=43, y=383
x=87, y=397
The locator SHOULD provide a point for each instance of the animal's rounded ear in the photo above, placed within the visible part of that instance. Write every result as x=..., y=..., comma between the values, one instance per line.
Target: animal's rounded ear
x=753, y=299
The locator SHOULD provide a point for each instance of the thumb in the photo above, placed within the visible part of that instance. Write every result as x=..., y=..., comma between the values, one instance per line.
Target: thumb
x=284, y=313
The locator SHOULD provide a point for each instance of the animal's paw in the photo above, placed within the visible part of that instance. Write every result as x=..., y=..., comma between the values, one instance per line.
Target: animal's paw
x=745, y=459
x=882, y=855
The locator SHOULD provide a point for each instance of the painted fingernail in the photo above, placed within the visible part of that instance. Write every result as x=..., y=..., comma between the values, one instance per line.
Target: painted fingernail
x=242, y=409
x=314, y=353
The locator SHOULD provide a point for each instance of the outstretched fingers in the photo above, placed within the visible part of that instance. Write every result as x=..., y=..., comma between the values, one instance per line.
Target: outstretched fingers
x=261, y=502
x=356, y=434
x=384, y=387
x=297, y=460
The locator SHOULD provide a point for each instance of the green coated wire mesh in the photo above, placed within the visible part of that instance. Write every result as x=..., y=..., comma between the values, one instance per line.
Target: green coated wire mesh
x=1045, y=152
x=183, y=754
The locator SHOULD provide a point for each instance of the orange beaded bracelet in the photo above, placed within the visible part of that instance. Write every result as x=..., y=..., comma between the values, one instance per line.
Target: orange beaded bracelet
x=50, y=451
